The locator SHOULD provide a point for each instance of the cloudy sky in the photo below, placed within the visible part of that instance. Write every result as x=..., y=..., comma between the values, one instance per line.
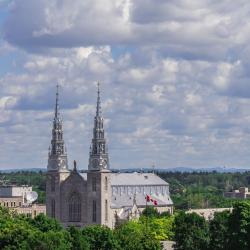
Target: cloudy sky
x=174, y=75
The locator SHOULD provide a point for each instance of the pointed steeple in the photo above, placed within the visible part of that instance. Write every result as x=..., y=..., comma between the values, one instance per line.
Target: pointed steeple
x=98, y=156
x=57, y=103
x=57, y=154
x=98, y=102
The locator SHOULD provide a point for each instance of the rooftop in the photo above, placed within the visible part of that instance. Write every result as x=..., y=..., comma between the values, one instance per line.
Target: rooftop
x=133, y=179
x=136, y=179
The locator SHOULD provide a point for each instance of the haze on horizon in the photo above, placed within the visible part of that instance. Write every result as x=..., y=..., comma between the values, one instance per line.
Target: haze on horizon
x=174, y=79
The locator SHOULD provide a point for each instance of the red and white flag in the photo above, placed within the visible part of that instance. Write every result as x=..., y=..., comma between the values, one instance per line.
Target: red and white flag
x=149, y=199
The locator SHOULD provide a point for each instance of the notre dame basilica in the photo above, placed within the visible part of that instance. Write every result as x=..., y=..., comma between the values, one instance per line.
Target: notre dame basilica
x=99, y=196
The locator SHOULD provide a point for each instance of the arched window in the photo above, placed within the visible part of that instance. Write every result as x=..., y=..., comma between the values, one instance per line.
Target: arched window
x=106, y=183
x=106, y=210
x=94, y=211
x=94, y=184
x=74, y=208
x=53, y=183
x=53, y=208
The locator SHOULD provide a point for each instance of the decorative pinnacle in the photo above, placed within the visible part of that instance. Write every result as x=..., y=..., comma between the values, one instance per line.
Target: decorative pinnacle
x=98, y=104
x=57, y=104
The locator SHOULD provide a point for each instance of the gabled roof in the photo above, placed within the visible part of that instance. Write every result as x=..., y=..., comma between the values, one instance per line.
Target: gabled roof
x=136, y=179
x=133, y=179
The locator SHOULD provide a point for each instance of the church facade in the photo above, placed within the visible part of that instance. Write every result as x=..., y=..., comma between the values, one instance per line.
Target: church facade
x=99, y=196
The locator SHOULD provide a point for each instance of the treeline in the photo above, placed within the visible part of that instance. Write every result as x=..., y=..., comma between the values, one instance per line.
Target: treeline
x=42, y=233
x=203, y=189
x=227, y=231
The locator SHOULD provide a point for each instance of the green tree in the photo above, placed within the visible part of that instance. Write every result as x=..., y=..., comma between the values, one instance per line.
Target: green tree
x=239, y=226
x=22, y=233
x=218, y=229
x=44, y=223
x=190, y=232
x=133, y=235
x=15, y=236
x=79, y=242
x=100, y=238
x=160, y=228
x=52, y=240
x=150, y=211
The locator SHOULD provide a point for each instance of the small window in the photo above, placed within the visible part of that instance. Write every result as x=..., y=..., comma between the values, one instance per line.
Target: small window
x=53, y=208
x=106, y=183
x=94, y=211
x=94, y=184
x=53, y=183
x=106, y=210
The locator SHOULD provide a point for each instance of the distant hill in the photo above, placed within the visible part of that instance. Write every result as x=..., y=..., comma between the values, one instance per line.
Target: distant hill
x=14, y=170
x=213, y=169
x=146, y=170
x=185, y=169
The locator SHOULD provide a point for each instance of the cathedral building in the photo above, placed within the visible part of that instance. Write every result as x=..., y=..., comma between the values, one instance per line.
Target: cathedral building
x=99, y=196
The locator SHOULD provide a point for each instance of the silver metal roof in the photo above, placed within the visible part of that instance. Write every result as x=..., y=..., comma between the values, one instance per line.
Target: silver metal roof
x=136, y=179
x=133, y=179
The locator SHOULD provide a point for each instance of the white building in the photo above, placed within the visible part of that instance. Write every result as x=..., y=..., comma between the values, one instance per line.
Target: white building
x=16, y=198
x=12, y=195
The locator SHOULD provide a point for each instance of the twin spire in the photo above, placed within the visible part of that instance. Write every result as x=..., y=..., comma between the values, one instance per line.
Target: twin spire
x=98, y=158
x=98, y=103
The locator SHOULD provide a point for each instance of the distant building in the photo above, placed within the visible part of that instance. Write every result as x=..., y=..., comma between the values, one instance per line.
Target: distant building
x=98, y=196
x=31, y=210
x=208, y=213
x=241, y=193
x=15, y=198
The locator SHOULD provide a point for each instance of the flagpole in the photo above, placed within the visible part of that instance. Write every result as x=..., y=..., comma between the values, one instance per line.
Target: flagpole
x=147, y=213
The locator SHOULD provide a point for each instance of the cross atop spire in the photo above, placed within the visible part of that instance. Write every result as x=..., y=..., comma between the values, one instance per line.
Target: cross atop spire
x=98, y=103
x=57, y=103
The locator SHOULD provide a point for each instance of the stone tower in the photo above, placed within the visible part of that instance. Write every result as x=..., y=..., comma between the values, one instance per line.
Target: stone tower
x=57, y=169
x=98, y=176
